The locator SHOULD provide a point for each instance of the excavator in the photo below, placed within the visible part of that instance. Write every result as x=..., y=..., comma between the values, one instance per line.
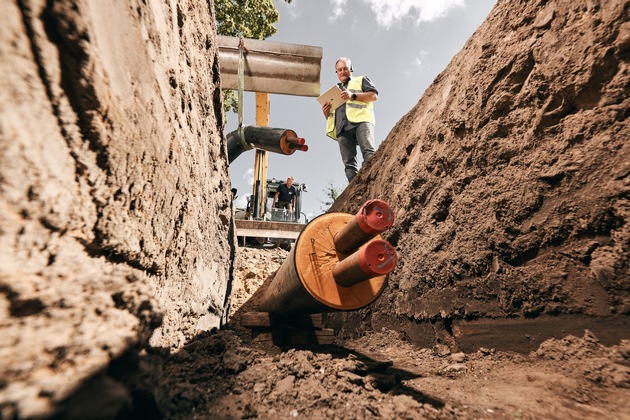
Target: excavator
x=267, y=67
x=259, y=221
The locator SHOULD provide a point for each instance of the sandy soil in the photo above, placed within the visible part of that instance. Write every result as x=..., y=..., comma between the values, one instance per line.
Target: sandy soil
x=510, y=178
x=381, y=375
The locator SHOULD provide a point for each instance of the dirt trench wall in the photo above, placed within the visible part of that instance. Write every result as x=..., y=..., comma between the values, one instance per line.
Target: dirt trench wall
x=510, y=180
x=115, y=219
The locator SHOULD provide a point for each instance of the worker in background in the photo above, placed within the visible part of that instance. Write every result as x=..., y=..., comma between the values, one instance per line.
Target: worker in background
x=285, y=195
x=352, y=124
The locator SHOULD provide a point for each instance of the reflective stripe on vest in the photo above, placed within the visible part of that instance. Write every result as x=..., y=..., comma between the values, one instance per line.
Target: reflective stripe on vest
x=356, y=111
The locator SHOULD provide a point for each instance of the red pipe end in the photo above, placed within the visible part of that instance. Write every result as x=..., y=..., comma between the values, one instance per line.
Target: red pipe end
x=303, y=148
x=377, y=258
x=375, y=216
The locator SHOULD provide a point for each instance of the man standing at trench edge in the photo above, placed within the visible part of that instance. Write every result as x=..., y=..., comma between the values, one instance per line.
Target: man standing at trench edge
x=352, y=124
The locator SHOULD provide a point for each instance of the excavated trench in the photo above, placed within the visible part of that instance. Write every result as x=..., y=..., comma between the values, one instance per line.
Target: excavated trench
x=509, y=181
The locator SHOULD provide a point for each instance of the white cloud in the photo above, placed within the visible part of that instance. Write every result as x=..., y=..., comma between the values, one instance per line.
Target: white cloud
x=293, y=11
x=338, y=9
x=388, y=12
x=419, y=59
x=417, y=63
x=248, y=176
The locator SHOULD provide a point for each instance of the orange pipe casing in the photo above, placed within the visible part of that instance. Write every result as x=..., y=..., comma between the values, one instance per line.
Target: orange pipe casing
x=374, y=216
x=376, y=258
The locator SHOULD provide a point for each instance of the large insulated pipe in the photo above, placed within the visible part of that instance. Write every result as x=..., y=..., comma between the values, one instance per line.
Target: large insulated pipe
x=316, y=277
x=277, y=140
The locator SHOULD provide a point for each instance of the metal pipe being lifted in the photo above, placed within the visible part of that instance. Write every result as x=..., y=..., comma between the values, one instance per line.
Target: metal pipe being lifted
x=277, y=140
x=316, y=277
x=272, y=67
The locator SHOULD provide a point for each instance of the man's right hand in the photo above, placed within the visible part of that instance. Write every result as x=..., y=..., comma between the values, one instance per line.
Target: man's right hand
x=326, y=109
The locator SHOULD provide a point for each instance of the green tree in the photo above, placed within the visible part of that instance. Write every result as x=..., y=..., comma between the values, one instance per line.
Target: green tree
x=332, y=193
x=248, y=19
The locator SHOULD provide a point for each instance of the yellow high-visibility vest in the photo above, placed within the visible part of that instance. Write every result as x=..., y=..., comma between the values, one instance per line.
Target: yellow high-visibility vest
x=356, y=111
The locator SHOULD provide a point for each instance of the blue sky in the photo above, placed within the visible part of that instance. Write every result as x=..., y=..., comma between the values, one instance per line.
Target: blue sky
x=401, y=45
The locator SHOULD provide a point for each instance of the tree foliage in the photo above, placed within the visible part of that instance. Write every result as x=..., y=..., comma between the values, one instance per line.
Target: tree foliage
x=332, y=193
x=248, y=19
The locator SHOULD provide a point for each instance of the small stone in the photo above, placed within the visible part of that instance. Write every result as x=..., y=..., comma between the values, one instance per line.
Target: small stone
x=441, y=350
x=285, y=384
x=456, y=367
x=544, y=18
x=458, y=357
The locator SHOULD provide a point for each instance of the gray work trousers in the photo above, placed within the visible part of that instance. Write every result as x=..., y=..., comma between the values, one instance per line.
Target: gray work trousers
x=362, y=136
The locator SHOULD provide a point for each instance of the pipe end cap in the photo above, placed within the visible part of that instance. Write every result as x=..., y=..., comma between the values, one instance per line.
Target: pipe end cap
x=375, y=216
x=377, y=258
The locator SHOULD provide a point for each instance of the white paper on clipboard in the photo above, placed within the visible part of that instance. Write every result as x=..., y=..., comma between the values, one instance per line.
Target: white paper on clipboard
x=332, y=95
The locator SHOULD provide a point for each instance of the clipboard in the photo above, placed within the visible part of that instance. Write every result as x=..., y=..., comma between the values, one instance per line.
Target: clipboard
x=332, y=95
